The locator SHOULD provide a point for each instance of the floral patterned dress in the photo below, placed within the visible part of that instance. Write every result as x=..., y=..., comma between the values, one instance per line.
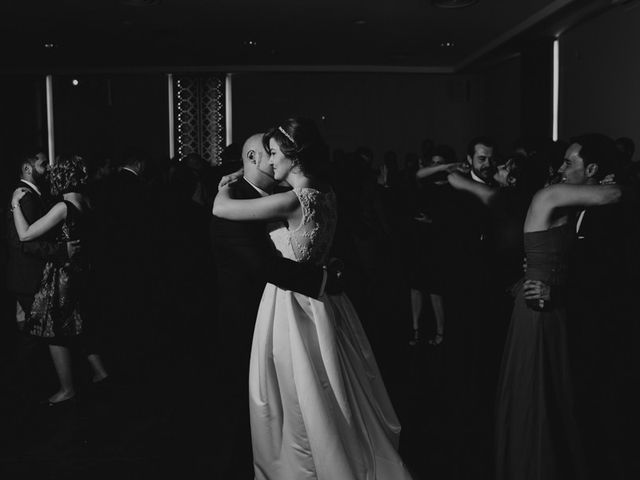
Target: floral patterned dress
x=56, y=310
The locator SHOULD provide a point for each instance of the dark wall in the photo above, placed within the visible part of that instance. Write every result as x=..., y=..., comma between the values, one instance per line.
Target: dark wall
x=22, y=126
x=537, y=88
x=104, y=115
x=383, y=111
x=22, y=121
x=504, y=103
x=600, y=74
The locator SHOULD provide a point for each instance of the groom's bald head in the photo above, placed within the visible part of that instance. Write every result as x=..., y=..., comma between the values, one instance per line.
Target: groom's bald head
x=252, y=147
x=255, y=160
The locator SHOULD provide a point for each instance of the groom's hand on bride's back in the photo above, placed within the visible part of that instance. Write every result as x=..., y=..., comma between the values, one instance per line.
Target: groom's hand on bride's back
x=335, y=277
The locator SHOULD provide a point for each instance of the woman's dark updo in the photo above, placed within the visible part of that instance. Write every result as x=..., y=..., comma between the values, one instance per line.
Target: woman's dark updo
x=300, y=141
x=528, y=174
x=68, y=174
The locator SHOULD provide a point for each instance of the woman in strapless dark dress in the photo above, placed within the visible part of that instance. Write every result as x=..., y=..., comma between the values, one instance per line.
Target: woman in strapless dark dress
x=536, y=433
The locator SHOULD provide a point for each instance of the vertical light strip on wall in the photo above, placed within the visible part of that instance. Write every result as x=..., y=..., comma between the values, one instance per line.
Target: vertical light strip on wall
x=172, y=131
x=556, y=85
x=227, y=110
x=50, y=138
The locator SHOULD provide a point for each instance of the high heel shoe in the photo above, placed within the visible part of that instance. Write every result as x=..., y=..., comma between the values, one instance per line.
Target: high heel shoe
x=416, y=338
x=436, y=340
x=59, y=404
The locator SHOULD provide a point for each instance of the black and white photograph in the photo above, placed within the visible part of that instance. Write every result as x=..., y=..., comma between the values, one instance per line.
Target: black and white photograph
x=319, y=239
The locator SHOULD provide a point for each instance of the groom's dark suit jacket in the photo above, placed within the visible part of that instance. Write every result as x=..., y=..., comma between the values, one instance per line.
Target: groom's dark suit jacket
x=246, y=260
x=27, y=259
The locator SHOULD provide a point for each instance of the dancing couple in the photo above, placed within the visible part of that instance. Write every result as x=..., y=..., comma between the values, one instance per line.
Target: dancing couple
x=318, y=406
x=55, y=298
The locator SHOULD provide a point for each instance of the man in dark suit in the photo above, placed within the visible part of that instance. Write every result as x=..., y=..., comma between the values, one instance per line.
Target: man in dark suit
x=246, y=260
x=598, y=313
x=597, y=260
x=26, y=260
x=468, y=231
x=468, y=218
x=471, y=353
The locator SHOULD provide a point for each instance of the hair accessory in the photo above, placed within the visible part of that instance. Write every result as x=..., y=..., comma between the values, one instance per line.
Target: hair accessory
x=287, y=135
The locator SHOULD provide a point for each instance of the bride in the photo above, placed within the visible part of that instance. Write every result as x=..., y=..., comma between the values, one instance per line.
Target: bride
x=318, y=406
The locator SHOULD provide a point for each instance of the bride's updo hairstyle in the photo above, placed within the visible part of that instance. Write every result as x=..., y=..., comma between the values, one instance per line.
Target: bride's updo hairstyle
x=300, y=141
x=68, y=174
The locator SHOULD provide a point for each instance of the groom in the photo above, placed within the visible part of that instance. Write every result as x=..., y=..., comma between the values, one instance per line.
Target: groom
x=246, y=260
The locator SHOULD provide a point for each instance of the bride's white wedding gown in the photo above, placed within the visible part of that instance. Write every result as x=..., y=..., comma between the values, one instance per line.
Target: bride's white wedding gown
x=319, y=408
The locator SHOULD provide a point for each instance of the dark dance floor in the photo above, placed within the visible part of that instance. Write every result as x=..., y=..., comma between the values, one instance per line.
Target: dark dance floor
x=166, y=424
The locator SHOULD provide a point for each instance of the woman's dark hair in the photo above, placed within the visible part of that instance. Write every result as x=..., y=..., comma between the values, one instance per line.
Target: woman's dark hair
x=530, y=173
x=68, y=174
x=300, y=141
x=445, y=151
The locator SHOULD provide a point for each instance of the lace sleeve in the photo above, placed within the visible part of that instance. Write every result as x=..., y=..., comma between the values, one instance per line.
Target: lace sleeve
x=305, y=196
x=312, y=239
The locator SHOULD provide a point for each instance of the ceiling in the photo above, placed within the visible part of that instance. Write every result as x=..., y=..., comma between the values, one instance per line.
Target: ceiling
x=374, y=35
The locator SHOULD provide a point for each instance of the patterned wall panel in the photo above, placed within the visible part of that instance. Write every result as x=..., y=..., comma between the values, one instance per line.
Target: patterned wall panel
x=199, y=111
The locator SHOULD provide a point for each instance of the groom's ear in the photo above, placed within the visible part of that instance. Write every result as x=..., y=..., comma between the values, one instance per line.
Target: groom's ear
x=591, y=170
x=251, y=155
